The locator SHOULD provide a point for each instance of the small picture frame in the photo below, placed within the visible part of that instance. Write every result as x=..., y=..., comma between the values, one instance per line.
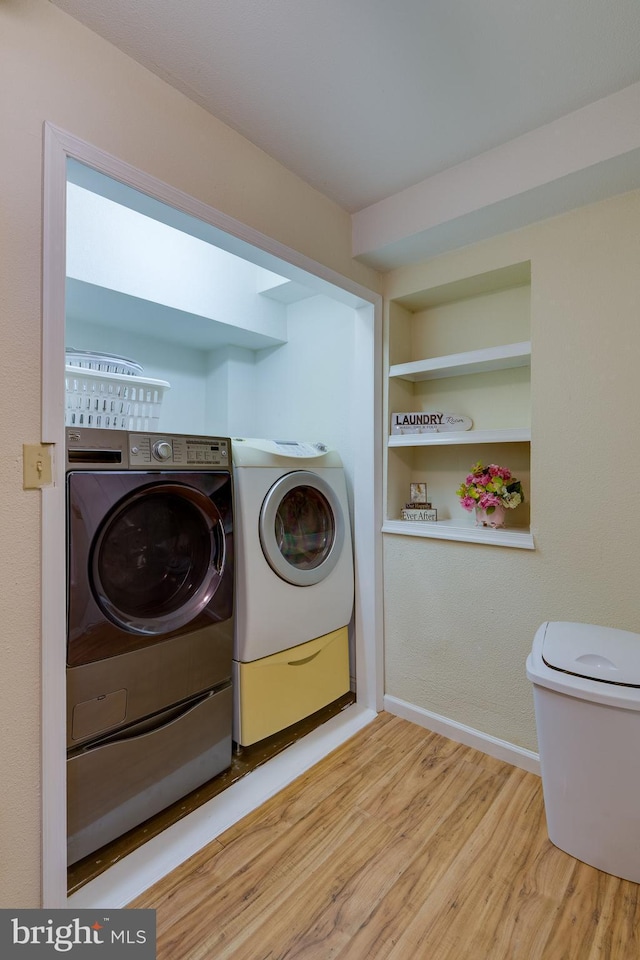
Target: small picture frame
x=418, y=493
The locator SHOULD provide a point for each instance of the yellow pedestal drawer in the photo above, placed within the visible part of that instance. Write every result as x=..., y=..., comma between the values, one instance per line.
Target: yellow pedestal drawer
x=276, y=691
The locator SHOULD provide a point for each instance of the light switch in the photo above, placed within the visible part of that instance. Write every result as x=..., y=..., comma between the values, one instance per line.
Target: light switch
x=36, y=465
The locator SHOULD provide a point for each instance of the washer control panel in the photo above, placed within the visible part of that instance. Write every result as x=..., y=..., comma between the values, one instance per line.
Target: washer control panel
x=294, y=448
x=158, y=450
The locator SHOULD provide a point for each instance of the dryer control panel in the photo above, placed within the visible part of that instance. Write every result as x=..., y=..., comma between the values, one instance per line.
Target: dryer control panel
x=122, y=450
x=158, y=450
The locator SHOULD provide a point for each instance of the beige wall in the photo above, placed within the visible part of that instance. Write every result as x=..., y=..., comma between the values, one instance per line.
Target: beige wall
x=53, y=69
x=460, y=618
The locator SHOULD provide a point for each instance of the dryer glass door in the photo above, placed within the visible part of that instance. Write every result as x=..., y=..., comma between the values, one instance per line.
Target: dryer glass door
x=158, y=558
x=301, y=528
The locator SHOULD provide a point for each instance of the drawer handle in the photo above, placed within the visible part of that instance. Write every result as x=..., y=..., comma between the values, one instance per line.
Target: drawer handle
x=149, y=725
x=300, y=663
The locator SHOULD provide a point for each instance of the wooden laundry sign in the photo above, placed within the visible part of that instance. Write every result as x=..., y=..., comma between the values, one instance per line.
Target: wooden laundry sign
x=429, y=422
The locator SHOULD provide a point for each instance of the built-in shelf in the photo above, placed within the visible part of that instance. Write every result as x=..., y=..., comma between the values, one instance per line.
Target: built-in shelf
x=512, y=435
x=463, y=364
x=459, y=530
x=490, y=312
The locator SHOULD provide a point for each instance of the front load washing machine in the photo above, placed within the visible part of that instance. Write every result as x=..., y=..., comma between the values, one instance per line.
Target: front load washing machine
x=150, y=579
x=295, y=583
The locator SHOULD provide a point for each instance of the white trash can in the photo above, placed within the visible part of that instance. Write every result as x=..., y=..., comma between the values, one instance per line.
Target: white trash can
x=586, y=690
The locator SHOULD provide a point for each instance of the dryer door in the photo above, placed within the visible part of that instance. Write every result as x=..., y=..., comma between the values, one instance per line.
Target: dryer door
x=148, y=557
x=157, y=559
x=302, y=528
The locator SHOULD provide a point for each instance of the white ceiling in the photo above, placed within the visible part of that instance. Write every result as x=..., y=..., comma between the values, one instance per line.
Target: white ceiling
x=366, y=98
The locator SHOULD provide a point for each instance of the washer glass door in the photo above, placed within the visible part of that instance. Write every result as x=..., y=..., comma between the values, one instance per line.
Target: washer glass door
x=301, y=528
x=158, y=558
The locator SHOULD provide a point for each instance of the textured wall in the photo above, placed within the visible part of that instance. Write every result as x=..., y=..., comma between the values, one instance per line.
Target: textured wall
x=53, y=69
x=460, y=618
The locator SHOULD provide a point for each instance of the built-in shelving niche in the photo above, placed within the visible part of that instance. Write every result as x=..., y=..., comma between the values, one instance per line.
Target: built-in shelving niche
x=464, y=348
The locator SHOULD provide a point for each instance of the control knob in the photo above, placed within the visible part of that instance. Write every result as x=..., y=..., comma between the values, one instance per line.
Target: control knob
x=162, y=450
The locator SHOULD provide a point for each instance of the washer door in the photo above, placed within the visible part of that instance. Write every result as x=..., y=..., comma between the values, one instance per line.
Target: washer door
x=157, y=559
x=302, y=528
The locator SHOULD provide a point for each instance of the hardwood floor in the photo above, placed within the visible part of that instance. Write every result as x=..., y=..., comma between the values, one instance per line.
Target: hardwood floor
x=401, y=845
x=242, y=763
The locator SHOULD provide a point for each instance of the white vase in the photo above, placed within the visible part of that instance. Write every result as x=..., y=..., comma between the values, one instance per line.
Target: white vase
x=493, y=519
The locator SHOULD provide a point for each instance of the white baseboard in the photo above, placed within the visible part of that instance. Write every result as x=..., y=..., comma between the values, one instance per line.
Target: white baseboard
x=134, y=874
x=500, y=749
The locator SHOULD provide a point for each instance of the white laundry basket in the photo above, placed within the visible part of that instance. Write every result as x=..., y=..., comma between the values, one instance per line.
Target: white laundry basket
x=586, y=689
x=105, y=362
x=112, y=401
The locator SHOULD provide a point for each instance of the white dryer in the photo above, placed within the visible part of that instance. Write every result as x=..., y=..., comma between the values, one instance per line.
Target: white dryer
x=294, y=583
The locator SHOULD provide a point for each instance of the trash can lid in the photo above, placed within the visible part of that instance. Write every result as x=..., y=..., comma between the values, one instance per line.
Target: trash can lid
x=597, y=653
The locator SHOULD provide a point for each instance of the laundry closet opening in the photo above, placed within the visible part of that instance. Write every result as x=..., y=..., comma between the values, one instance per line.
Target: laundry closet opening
x=244, y=345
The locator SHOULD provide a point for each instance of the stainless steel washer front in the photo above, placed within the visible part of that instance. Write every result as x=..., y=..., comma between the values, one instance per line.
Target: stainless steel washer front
x=149, y=555
x=149, y=625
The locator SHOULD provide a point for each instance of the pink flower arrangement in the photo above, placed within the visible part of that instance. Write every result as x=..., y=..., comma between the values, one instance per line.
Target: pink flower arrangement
x=490, y=487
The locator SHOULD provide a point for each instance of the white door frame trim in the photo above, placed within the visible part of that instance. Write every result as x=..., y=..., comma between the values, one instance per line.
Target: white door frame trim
x=58, y=147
